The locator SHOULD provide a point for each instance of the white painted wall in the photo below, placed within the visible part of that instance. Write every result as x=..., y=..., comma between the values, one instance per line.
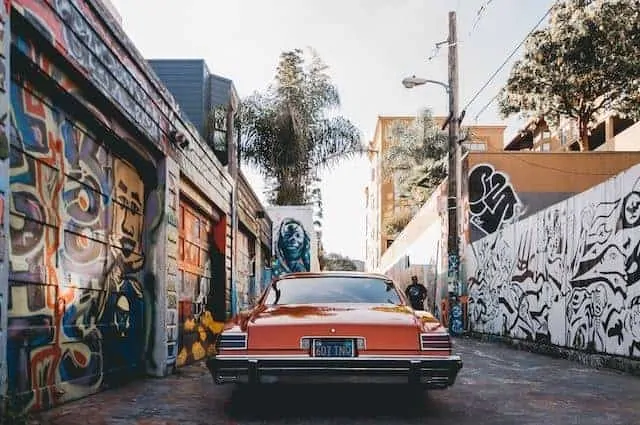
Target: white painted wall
x=570, y=273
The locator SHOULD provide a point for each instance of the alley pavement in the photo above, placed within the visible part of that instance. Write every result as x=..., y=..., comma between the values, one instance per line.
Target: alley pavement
x=497, y=386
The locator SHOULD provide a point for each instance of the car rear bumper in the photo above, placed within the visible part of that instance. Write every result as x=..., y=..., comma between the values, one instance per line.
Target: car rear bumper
x=426, y=371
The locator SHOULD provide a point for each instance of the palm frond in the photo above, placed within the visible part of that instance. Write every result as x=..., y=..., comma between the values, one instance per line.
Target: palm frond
x=333, y=140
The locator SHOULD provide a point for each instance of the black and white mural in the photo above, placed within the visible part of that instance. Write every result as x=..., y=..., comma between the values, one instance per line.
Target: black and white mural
x=492, y=199
x=569, y=274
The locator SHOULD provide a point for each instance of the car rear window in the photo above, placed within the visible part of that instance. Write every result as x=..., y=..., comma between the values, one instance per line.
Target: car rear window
x=332, y=290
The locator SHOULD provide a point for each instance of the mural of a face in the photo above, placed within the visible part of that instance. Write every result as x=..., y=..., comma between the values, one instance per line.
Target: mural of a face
x=633, y=318
x=631, y=209
x=293, y=246
x=128, y=204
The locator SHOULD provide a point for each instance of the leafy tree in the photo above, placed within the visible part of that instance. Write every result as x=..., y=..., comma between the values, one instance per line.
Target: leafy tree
x=398, y=222
x=417, y=160
x=291, y=132
x=587, y=61
x=337, y=262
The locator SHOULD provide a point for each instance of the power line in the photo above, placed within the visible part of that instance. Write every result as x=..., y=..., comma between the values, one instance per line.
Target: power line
x=484, y=108
x=479, y=14
x=438, y=46
x=475, y=96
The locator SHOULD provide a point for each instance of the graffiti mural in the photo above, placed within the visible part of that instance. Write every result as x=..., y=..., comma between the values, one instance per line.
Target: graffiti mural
x=4, y=179
x=293, y=246
x=74, y=27
x=195, y=317
x=294, y=241
x=492, y=199
x=76, y=308
x=568, y=275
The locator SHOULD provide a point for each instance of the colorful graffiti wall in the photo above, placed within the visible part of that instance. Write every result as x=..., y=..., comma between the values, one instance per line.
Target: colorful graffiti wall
x=4, y=182
x=294, y=241
x=568, y=275
x=76, y=300
x=196, y=247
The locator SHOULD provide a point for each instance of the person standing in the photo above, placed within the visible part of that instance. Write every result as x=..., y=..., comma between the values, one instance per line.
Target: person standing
x=417, y=293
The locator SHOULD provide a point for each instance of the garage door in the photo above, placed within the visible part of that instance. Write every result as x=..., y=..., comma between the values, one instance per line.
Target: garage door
x=196, y=322
x=76, y=318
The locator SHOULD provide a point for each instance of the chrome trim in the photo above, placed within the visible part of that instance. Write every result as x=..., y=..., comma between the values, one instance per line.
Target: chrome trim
x=362, y=357
x=223, y=334
x=433, y=372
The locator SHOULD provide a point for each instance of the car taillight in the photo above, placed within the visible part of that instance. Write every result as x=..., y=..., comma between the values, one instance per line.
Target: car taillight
x=435, y=342
x=232, y=341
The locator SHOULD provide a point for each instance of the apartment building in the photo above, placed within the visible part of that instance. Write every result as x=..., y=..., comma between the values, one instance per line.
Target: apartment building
x=611, y=134
x=381, y=195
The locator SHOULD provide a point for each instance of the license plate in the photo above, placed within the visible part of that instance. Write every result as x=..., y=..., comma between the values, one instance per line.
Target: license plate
x=333, y=348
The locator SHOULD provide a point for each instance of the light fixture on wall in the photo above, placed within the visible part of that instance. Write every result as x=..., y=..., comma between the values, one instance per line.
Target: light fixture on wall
x=179, y=139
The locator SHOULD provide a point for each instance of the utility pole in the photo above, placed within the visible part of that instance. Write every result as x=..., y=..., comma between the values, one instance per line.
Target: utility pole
x=453, y=248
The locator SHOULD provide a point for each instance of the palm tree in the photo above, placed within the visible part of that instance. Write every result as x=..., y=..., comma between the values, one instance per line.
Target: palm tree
x=287, y=132
x=417, y=158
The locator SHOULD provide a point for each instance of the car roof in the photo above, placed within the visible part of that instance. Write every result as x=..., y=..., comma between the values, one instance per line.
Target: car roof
x=333, y=274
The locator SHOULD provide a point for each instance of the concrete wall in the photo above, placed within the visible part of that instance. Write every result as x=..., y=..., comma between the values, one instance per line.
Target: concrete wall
x=498, y=189
x=568, y=275
x=628, y=140
x=295, y=245
x=503, y=185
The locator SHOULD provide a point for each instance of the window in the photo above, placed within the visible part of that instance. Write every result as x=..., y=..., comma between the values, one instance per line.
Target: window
x=332, y=290
x=475, y=146
x=219, y=130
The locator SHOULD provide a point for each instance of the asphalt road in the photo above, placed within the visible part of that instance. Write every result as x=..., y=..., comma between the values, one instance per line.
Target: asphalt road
x=497, y=386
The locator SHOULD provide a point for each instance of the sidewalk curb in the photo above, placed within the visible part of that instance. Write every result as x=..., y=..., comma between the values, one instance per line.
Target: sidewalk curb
x=592, y=360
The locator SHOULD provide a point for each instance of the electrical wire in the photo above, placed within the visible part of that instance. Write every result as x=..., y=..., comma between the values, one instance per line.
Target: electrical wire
x=484, y=108
x=438, y=46
x=475, y=96
x=479, y=15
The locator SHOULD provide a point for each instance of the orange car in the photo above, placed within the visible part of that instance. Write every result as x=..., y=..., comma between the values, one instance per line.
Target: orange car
x=334, y=327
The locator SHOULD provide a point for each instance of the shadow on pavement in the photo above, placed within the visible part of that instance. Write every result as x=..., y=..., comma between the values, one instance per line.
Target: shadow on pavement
x=351, y=401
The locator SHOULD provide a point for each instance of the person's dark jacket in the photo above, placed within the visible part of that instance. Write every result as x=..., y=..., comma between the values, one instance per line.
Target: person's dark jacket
x=416, y=293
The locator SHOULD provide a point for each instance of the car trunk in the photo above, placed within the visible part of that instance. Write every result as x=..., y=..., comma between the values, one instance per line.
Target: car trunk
x=383, y=327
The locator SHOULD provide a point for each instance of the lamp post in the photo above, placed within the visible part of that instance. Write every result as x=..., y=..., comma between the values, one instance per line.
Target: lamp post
x=453, y=121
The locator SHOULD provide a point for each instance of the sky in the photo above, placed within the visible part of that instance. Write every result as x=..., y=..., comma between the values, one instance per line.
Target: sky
x=369, y=45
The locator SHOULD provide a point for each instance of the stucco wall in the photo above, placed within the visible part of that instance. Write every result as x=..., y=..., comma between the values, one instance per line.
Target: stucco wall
x=569, y=274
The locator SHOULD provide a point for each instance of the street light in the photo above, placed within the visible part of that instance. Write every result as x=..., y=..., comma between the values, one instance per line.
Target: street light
x=453, y=249
x=413, y=81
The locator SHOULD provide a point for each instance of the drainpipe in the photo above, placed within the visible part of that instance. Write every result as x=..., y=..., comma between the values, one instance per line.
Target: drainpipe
x=233, y=162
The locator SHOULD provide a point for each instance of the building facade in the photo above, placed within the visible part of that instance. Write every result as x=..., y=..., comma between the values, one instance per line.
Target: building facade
x=212, y=100
x=253, y=249
x=381, y=197
x=612, y=133
x=209, y=101
x=117, y=216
